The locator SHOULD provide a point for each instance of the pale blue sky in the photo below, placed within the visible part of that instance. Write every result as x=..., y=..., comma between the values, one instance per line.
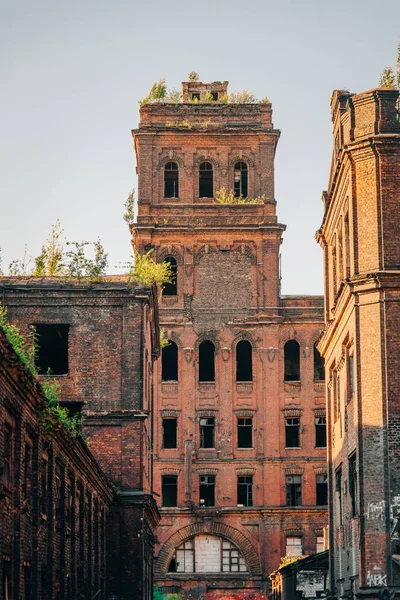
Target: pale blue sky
x=72, y=74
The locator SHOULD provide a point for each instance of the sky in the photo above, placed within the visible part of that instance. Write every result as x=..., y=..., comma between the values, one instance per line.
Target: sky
x=72, y=74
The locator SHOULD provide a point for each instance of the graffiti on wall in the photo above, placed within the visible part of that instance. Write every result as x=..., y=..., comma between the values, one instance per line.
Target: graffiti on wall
x=377, y=579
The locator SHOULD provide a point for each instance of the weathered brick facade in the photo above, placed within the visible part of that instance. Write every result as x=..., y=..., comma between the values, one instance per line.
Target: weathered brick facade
x=360, y=236
x=227, y=291
x=54, y=499
x=113, y=340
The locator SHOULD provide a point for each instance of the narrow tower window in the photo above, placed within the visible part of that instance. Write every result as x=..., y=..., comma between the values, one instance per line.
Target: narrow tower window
x=206, y=361
x=52, y=349
x=319, y=369
x=171, y=288
x=241, y=179
x=292, y=361
x=244, y=369
x=169, y=433
x=169, y=362
x=171, y=180
x=206, y=180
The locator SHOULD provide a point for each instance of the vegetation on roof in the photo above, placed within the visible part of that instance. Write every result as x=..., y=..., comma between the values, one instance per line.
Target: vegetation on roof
x=222, y=196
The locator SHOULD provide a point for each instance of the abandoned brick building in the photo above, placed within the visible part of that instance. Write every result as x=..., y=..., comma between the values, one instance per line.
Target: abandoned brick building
x=100, y=342
x=360, y=237
x=239, y=395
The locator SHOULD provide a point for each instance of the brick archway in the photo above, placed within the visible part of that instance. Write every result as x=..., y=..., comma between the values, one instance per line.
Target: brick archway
x=219, y=529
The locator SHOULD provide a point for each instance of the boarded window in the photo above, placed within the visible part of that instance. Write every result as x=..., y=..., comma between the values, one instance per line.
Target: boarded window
x=245, y=432
x=206, y=361
x=292, y=361
x=292, y=432
x=171, y=180
x=169, y=433
x=322, y=490
x=207, y=490
x=319, y=369
x=244, y=366
x=320, y=432
x=169, y=362
x=241, y=180
x=207, y=554
x=293, y=490
x=245, y=491
x=52, y=349
x=171, y=288
x=207, y=427
x=206, y=180
x=169, y=490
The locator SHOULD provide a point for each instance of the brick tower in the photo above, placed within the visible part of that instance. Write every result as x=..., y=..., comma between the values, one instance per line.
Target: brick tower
x=360, y=236
x=239, y=448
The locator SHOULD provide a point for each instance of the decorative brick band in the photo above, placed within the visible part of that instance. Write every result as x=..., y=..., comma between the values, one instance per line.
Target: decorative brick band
x=211, y=528
x=319, y=412
x=245, y=472
x=170, y=471
x=293, y=470
x=245, y=412
x=292, y=412
x=320, y=470
x=294, y=531
x=174, y=414
x=206, y=412
x=207, y=471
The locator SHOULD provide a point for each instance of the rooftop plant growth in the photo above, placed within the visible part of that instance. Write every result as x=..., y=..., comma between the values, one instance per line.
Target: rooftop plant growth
x=222, y=196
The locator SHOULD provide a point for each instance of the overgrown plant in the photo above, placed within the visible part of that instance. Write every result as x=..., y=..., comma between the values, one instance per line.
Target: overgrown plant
x=390, y=76
x=50, y=260
x=193, y=76
x=243, y=97
x=129, y=214
x=224, y=197
x=164, y=341
x=146, y=271
x=157, y=92
x=20, y=266
x=79, y=266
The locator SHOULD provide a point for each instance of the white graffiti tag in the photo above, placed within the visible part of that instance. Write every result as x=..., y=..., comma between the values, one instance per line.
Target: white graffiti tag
x=376, y=510
x=376, y=579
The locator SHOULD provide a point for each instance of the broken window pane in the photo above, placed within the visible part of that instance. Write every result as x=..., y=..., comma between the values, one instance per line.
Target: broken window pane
x=320, y=432
x=319, y=369
x=244, y=367
x=292, y=432
x=169, y=433
x=206, y=180
x=52, y=349
x=322, y=490
x=207, y=490
x=245, y=432
x=169, y=490
x=292, y=361
x=293, y=490
x=171, y=288
x=169, y=362
x=206, y=361
x=207, y=426
x=171, y=180
x=240, y=180
x=245, y=491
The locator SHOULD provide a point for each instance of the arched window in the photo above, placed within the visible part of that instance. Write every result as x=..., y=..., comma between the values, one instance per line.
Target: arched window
x=244, y=367
x=169, y=362
x=206, y=361
x=171, y=289
x=292, y=361
x=171, y=180
x=206, y=180
x=241, y=187
x=193, y=556
x=319, y=368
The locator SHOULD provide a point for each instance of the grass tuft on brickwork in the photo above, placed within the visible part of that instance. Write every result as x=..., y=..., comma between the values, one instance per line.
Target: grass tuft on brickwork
x=224, y=197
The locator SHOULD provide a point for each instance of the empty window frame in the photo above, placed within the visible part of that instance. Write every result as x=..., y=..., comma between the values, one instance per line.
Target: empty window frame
x=232, y=559
x=207, y=490
x=183, y=560
x=241, y=180
x=322, y=490
x=320, y=546
x=207, y=430
x=294, y=546
x=293, y=490
x=171, y=288
x=169, y=430
x=8, y=454
x=320, y=432
x=171, y=180
x=206, y=180
x=244, y=361
x=206, y=361
x=52, y=349
x=292, y=361
x=245, y=490
x=245, y=432
x=195, y=96
x=319, y=368
x=339, y=497
x=353, y=489
x=169, y=362
x=292, y=432
x=169, y=490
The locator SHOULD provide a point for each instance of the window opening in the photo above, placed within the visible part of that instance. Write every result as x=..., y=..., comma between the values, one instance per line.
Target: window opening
x=292, y=432
x=322, y=490
x=207, y=490
x=169, y=362
x=43, y=486
x=319, y=368
x=294, y=546
x=241, y=180
x=206, y=180
x=7, y=454
x=184, y=558
x=169, y=490
x=214, y=96
x=171, y=288
x=206, y=361
x=320, y=432
x=353, y=486
x=52, y=349
x=292, y=361
x=232, y=559
x=293, y=490
x=245, y=491
x=320, y=543
x=339, y=496
x=207, y=428
x=245, y=432
x=351, y=376
x=190, y=556
x=244, y=367
x=195, y=95
x=171, y=180
x=27, y=471
x=169, y=433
